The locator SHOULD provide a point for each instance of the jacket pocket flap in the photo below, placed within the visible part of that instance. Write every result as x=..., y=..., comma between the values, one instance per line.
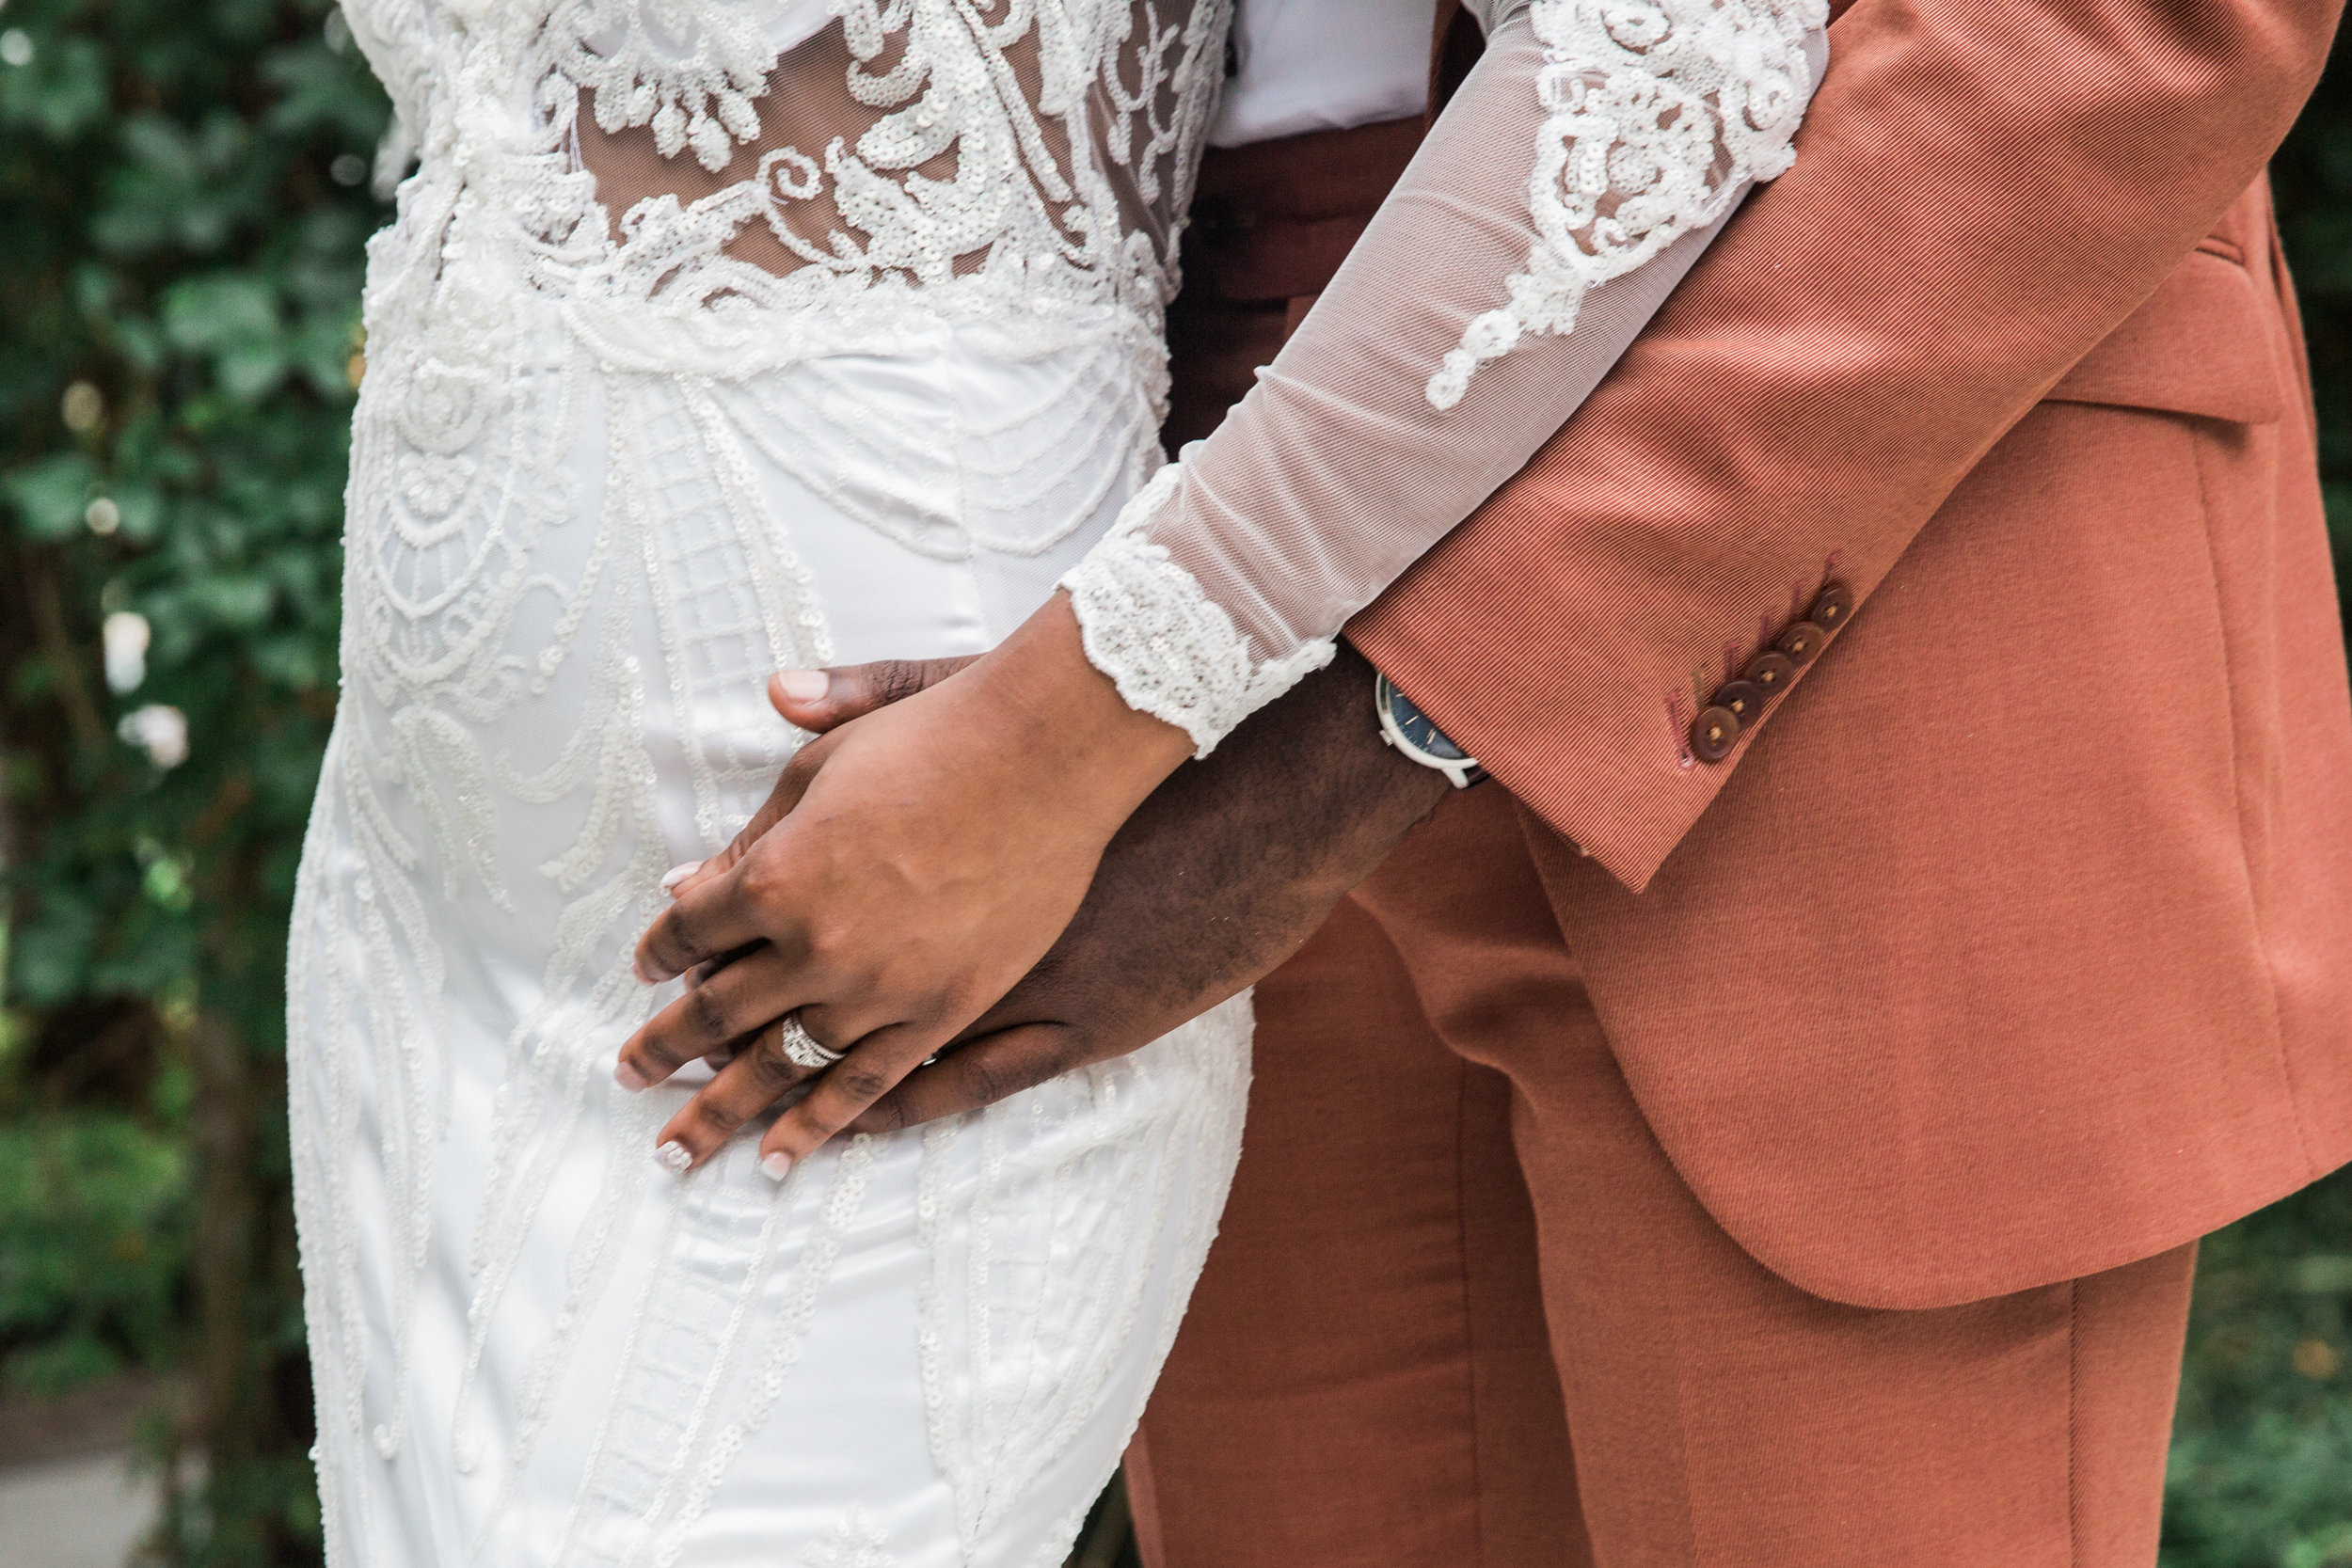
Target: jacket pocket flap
x=2198, y=346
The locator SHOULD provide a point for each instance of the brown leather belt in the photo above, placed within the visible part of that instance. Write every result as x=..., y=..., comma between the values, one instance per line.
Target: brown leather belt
x=1271, y=223
x=1274, y=220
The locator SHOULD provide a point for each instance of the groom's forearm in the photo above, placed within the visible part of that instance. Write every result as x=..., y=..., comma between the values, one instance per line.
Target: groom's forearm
x=1235, y=862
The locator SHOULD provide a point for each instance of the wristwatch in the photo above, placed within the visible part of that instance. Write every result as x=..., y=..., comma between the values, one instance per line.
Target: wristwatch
x=1410, y=731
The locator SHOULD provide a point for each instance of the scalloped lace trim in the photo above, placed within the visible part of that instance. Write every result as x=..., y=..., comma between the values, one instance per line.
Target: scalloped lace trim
x=1174, y=652
x=1659, y=114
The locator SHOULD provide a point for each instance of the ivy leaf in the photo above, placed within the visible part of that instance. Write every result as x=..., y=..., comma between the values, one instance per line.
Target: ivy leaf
x=325, y=91
x=50, y=496
x=221, y=310
x=60, y=93
x=233, y=319
x=47, y=957
x=234, y=602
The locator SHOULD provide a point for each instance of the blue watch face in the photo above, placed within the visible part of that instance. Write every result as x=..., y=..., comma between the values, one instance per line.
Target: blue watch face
x=1415, y=727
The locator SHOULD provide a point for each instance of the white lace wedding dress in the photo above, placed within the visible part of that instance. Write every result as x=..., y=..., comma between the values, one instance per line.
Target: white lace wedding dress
x=853, y=353
x=600, y=488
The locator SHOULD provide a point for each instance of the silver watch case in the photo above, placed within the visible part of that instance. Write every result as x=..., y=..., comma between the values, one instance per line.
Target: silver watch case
x=1411, y=732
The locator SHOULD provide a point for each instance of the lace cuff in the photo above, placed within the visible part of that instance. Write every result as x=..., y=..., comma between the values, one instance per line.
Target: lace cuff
x=1172, y=650
x=1657, y=116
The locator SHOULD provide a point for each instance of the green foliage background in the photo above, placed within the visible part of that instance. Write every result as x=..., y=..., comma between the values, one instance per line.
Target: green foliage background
x=173, y=240
x=182, y=213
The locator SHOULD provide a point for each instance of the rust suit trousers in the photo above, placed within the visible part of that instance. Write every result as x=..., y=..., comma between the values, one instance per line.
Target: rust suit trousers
x=1395, y=1359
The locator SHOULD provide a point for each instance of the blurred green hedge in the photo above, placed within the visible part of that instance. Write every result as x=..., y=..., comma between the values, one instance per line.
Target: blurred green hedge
x=2262, y=1454
x=183, y=202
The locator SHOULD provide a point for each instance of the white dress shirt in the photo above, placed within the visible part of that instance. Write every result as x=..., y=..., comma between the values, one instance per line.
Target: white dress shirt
x=1323, y=65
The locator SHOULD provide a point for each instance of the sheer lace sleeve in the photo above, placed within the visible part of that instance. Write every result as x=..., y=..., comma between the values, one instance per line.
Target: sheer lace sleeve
x=1574, y=180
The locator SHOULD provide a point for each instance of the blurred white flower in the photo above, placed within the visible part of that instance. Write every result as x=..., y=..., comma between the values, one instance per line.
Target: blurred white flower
x=127, y=635
x=16, y=47
x=159, y=730
x=83, y=404
x=103, y=515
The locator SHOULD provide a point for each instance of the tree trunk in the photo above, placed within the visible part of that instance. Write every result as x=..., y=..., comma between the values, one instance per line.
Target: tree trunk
x=221, y=1421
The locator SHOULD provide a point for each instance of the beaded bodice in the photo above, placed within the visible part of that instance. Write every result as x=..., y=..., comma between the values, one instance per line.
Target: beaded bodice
x=886, y=162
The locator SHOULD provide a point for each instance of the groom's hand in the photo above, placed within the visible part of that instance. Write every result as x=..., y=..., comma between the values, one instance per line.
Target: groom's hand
x=1217, y=879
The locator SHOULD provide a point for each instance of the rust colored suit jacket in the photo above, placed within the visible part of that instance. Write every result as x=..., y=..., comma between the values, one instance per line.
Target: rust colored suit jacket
x=2014, y=941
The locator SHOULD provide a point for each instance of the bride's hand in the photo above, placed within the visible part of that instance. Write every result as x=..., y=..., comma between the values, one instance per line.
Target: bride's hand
x=918, y=862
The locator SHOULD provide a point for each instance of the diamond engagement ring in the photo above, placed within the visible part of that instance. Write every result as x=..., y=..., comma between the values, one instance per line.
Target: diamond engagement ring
x=800, y=1048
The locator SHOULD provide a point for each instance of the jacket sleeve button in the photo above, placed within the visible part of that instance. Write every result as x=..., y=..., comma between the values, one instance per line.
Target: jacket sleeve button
x=1801, y=642
x=1770, y=671
x=1745, y=699
x=1713, y=733
x=1831, y=606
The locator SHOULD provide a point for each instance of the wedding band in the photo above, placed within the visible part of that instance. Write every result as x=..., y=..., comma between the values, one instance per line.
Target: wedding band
x=800, y=1048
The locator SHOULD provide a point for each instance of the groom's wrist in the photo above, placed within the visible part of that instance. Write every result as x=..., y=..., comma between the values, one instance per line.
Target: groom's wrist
x=1347, y=795
x=1239, y=857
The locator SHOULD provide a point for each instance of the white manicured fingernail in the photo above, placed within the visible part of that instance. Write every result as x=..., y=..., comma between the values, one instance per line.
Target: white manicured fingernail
x=803, y=686
x=777, y=1167
x=678, y=874
x=673, y=1158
